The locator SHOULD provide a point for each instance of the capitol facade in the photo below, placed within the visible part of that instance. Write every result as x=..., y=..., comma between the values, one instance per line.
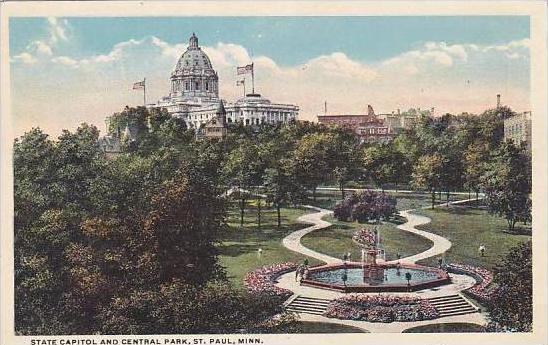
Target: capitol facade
x=194, y=96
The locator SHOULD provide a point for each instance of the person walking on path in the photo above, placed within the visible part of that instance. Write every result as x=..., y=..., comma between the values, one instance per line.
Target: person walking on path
x=298, y=272
x=481, y=249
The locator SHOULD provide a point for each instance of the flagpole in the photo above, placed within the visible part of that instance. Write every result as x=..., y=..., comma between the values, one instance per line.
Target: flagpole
x=252, y=78
x=244, y=86
x=144, y=92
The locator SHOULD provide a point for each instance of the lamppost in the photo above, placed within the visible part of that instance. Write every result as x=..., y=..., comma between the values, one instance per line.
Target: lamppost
x=408, y=277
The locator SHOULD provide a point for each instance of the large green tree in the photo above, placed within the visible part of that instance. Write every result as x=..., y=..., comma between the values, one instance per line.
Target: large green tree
x=511, y=305
x=243, y=171
x=507, y=184
x=428, y=174
x=125, y=245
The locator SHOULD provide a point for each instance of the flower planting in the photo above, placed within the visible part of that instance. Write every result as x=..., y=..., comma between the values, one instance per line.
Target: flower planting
x=365, y=237
x=262, y=280
x=482, y=290
x=380, y=308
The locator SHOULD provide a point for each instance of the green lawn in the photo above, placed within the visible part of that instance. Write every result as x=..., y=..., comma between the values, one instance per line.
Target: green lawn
x=447, y=328
x=337, y=240
x=239, y=247
x=467, y=228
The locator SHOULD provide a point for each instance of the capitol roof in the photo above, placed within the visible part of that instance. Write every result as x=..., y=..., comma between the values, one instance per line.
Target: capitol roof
x=253, y=98
x=193, y=58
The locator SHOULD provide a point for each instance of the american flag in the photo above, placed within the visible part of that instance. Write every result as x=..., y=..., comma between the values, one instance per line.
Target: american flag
x=245, y=69
x=139, y=85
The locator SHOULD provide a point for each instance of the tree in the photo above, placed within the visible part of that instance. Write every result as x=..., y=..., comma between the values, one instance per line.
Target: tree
x=243, y=171
x=384, y=164
x=344, y=157
x=427, y=174
x=511, y=304
x=475, y=158
x=281, y=188
x=310, y=160
x=56, y=186
x=507, y=184
x=94, y=236
x=491, y=125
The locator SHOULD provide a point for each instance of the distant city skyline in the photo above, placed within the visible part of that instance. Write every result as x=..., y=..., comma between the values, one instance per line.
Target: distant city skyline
x=65, y=71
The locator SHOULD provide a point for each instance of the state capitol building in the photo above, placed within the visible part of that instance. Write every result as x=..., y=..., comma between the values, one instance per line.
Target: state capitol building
x=194, y=96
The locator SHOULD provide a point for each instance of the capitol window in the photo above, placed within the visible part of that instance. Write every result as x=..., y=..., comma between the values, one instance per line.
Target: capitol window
x=186, y=86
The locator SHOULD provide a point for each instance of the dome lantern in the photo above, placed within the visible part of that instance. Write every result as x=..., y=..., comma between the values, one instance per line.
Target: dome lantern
x=193, y=42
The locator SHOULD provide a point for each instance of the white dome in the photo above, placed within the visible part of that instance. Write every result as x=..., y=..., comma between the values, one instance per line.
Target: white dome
x=193, y=58
x=194, y=78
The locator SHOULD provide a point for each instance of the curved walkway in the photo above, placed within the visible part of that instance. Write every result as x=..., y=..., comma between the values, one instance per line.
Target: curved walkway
x=440, y=246
x=293, y=240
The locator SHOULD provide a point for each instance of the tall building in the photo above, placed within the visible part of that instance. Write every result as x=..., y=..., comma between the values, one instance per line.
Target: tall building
x=194, y=95
x=518, y=129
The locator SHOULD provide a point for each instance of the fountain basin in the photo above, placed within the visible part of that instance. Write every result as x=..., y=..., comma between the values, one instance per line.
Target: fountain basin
x=375, y=278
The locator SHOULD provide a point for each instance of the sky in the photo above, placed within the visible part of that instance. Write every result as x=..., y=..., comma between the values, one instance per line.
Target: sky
x=65, y=71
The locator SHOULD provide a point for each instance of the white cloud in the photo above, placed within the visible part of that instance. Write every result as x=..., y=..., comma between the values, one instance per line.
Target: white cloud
x=24, y=58
x=65, y=60
x=40, y=47
x=63, y=91
x=57, y=29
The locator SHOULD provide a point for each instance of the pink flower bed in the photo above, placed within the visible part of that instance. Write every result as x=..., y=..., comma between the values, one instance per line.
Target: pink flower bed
x=262, y=280
x=378, y=308
x=365, y=237
x=481, y=290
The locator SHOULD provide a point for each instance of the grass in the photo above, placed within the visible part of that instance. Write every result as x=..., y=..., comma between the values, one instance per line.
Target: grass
x=337, y=240
x=324, y=327
x=239, y=246
x=446, y=328
x=467, y=228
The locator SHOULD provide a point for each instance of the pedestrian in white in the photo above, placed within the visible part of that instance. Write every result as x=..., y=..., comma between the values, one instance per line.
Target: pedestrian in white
x=481, y=249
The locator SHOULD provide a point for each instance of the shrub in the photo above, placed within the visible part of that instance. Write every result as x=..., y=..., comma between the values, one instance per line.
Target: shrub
x=365, y=206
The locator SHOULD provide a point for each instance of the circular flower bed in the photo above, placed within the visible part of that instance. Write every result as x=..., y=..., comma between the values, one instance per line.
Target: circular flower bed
x=381, y=308
x=365, y=237
x=482, y=290
x=262, y=280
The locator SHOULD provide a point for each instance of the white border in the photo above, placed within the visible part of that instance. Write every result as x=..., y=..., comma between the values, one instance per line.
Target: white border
x=535, y=9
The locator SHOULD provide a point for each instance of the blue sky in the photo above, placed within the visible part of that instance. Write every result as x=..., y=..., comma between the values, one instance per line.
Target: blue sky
x=65, y=71
x=366, y=39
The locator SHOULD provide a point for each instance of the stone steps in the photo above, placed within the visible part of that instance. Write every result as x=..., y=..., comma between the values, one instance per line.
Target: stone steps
x=308, y=305
x=452, y=305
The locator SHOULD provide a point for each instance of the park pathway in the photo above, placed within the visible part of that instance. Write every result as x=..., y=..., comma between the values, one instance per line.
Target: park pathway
x=439, y=244
x=293, y=240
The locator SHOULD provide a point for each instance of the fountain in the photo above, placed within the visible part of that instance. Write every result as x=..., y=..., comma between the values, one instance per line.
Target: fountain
x=369, y=275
